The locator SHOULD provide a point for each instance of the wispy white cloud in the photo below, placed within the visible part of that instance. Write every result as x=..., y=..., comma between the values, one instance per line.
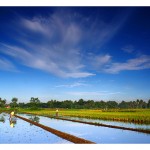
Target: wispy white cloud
x=7, y=65
x=58, y=53
x=35, y=25
x=97, y=93
x=76, y=84
x=105, y=63
x=128, y=48
x=53, y=44
x=99, y=61
x=140, y=63
x=99, y=31
x=53, y=62
x=80, y=74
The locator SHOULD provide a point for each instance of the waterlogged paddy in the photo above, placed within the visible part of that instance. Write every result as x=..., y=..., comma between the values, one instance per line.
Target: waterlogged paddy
x=22, y=132
x=115, y=123
x=97, y=134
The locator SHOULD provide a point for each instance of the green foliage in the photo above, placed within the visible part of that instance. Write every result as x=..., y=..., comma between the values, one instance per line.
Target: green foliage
x=2, y=103
x=148, y=104
x=126, y=115
x=34, y=103
x=14, y=104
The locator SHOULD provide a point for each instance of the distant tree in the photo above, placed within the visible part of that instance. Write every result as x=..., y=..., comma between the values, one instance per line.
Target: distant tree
x=148, y=104
x=2, y=102
x=76, y=105
x=97, y=104
x=57, y=104
x=134, y=104
x=81, y=102
x=89, y=104
x=129, y=104
x=22, y=105
x=142, y=104
x=34, y=103
x=67, y=104
x=14, y=102
x=102, y=104
x=112, y=104
x=43, y=105
x=137, y=103
x=50, y=104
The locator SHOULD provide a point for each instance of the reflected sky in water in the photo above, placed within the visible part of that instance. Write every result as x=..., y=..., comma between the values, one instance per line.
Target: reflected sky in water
x=23, y=132
x=116, y=123
x=96, y=134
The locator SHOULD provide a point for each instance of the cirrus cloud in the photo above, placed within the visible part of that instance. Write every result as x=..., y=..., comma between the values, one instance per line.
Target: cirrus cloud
x=140, y=63
x=7, y=65
x=55, y=44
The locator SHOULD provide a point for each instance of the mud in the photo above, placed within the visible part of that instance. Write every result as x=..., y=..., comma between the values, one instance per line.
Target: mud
x=63, y=135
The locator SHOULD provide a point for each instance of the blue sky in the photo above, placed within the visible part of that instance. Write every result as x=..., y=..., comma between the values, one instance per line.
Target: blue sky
x=99, y=53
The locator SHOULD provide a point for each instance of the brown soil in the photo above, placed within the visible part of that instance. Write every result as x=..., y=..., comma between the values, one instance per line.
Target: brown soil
x=63, y=135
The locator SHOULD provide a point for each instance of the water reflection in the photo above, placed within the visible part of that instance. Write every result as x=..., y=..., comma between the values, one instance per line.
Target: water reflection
x=109, y=122
x=2, y=119
x=96, y=134
x=13, y=122
x=23, y=133
x=34, y=119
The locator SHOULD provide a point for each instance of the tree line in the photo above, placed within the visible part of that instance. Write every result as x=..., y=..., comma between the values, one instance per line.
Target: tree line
x=35, y=103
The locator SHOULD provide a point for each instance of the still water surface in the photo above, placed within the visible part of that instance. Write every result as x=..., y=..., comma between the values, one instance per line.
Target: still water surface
x=97, y=134
x=116, y=123
x=21, y=132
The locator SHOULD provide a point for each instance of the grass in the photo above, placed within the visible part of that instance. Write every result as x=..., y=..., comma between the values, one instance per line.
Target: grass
x=141, y=116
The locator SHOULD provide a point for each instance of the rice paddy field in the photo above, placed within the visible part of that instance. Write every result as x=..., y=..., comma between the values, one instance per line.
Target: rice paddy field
x=140, y=116
x=24, y=132
x=92, y=126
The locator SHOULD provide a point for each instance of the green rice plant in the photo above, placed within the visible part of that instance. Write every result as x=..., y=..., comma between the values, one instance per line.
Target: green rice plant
x=126, y=115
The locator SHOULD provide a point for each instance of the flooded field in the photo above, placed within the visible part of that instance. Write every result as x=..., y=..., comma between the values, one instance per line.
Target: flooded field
x=21, y=132
x=116, y=123
x=100, y=135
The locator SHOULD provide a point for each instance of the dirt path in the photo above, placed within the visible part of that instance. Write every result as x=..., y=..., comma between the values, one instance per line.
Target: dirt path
x=63, y=135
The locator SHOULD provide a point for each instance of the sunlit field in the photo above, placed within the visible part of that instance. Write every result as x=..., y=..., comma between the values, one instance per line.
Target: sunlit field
x=126, y=115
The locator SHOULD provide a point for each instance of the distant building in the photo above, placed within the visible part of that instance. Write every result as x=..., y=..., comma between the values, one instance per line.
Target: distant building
x=7, y=106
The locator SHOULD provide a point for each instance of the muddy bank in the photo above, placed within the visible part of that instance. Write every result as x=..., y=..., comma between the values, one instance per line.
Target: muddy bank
x=63, y=135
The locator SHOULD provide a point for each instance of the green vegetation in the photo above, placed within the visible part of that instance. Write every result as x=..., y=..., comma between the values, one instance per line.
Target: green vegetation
x=141, y=116
x=35, y=103
x=133, y=111
x=13, y=104
x=2, y=103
